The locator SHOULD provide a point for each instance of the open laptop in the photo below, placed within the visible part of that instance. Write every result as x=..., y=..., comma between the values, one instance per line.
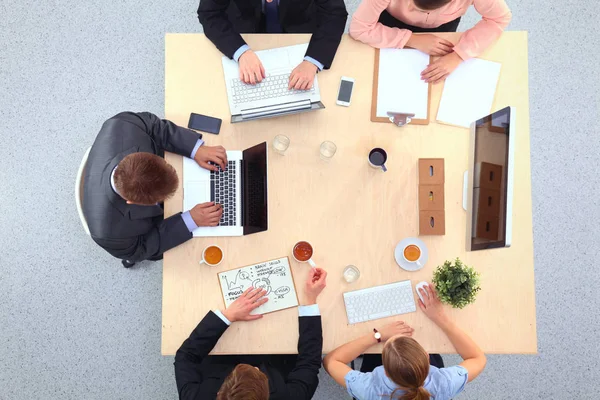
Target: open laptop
x=271, y=97
x=241, y=189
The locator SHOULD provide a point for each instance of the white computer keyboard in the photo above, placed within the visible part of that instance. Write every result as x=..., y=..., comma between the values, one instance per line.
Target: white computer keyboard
x=379, y=302
x=271, y=86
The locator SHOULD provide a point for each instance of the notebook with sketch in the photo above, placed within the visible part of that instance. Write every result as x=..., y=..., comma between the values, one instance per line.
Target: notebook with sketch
x=275, y=276
x=469, y=92
x=397, y=85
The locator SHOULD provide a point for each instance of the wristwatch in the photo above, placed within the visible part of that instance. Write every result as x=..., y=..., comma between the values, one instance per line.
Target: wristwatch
x=377, y=335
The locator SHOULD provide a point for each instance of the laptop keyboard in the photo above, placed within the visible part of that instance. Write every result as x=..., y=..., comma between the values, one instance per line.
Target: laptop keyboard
x=271, y=86
x=223, y=191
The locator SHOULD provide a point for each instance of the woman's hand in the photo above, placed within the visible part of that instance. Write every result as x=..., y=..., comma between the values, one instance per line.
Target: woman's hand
x=432, y=307
x=395, y=328
x=430, y=44
x=439, y=70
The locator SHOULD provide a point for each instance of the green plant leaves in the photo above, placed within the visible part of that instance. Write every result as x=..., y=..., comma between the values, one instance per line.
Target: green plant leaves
x=457, y=284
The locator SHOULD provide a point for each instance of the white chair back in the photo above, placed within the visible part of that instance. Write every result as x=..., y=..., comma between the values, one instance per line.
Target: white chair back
x=79, y=190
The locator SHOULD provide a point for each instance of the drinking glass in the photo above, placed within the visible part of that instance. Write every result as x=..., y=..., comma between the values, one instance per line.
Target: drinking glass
x=281, y=144
x=351, y=273
x=327, y=150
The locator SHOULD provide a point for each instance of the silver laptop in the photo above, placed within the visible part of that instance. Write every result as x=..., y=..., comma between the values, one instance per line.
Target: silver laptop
x=271, y=97
x=241, y=189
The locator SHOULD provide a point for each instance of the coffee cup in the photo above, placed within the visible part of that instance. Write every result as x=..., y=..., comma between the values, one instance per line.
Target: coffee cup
x=212, y=256
x=377, y=158
x=303, y=252
x=412, y=254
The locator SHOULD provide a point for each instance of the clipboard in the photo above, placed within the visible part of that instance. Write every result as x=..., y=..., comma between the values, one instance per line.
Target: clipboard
x=374, y=117
x=275, y=295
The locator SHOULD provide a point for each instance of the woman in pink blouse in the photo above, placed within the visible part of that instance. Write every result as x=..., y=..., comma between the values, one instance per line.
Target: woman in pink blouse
x=391, y=23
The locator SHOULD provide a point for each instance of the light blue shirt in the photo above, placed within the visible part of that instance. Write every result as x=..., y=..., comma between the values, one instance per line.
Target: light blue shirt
x=442, y=384
x=303, y=311
x=186, y=216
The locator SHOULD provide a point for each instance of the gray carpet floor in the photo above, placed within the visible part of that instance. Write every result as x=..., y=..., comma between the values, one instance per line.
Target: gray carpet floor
x=75, y=325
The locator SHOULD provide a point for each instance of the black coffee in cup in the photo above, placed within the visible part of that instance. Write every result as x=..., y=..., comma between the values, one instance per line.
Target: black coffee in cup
x=377, y=158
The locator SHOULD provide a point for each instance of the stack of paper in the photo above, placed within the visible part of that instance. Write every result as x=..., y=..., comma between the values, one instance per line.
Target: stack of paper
x=469, y=92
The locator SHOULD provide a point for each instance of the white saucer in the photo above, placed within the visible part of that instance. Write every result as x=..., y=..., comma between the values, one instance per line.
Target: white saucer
x=406, y=265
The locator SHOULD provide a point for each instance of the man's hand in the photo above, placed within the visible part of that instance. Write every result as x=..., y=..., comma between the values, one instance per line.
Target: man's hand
x=251, y=69
x=315, y=284
x=303, y=76
x=395, y=328
x=207, y=214
x=432, y=307
x=439, y=70
x=430, y=44
x=215, y=154
x=240, y=309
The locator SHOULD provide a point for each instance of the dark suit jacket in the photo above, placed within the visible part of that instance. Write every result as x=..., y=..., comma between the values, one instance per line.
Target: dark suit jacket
x=200, y=376
x=224, y=20
x=132, y=232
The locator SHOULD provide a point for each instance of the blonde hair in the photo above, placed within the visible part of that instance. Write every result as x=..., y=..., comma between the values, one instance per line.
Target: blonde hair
x=407, y=364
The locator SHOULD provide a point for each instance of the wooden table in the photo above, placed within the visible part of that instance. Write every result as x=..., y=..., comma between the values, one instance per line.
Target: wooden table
x=351, y=213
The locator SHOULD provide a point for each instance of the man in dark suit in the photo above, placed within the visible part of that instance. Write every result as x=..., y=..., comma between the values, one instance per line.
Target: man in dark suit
x=252, y=377
x=224, y=20
x=127, y=179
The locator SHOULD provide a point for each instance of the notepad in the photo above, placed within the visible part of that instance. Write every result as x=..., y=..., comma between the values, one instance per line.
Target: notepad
x=274, y=276
x=469, y=92
x=399, y=85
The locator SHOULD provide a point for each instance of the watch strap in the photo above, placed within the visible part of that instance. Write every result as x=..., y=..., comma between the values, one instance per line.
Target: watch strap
x=378, y=338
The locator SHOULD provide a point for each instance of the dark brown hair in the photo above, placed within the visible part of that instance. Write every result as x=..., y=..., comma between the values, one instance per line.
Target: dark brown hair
x=407, y=364
x=430, y=4
x=145, y=178
x=244, y=383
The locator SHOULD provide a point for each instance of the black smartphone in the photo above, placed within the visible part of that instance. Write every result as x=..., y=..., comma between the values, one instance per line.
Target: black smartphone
x=205, y=123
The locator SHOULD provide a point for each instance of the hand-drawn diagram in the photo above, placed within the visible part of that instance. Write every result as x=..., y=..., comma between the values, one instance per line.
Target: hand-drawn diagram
x=274, y=276
x=234, y=285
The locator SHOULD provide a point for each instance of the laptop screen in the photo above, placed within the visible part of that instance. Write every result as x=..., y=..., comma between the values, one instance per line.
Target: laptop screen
x=254, y=196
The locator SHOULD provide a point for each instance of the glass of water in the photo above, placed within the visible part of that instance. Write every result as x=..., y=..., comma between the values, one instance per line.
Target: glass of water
x=281, y=144
x=351, y=273
x=327, y=150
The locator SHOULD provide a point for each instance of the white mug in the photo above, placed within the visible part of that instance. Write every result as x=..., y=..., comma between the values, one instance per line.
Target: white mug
x=417, y=261
x=203, y=260
x=310, y=261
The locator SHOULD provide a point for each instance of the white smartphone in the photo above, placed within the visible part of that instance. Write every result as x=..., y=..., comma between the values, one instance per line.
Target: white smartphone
x=345, y=91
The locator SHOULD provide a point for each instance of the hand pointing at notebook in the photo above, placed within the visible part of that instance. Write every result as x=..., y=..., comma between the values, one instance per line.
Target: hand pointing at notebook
x=240, y=309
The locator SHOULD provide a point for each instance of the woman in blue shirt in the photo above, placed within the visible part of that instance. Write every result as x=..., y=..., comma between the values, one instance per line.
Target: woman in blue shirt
x=406, y=373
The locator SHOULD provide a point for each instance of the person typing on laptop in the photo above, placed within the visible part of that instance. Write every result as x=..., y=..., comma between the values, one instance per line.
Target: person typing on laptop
x=224, y=20
x=126, y=180
x=259, y=377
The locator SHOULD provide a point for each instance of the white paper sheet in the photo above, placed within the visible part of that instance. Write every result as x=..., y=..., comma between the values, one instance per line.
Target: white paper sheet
x=469, y=92
x=400, y=86
x=274, y=276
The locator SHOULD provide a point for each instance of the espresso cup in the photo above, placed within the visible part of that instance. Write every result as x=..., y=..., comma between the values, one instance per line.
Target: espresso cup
x=212, y=256
x=377, y=158
x=303, y=252
x=413, y=248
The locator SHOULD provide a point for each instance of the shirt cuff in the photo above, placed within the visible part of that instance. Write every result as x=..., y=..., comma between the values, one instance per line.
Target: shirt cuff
x=223, y=318
x=199, y=143
x=315, y=62
x=189, y=221
x=309, y=311
x=240, y=51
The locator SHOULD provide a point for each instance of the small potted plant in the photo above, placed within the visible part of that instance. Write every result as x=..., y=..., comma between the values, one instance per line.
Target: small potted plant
x=456, y=284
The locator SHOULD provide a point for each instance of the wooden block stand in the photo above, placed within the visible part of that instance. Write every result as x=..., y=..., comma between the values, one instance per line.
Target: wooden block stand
x=432, y=214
